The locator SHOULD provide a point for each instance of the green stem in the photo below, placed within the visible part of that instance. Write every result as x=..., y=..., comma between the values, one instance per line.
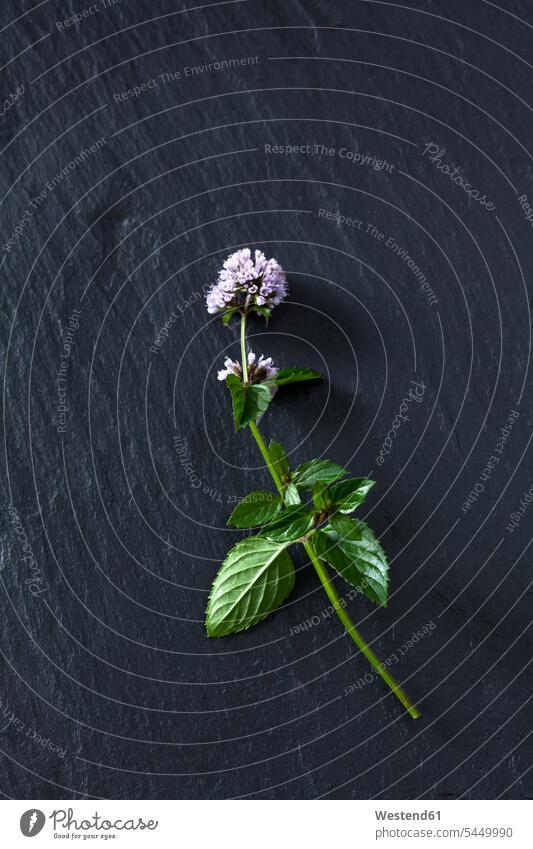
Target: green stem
x=321, y=570
x=244, y=353
x=264, y=451
x=354, y=633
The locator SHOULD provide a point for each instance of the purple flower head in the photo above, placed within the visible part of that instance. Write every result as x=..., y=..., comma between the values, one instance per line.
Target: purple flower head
x=259, y=369
x=247, y=281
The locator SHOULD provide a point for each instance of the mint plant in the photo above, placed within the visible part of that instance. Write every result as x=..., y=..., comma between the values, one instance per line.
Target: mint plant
x=312, y=505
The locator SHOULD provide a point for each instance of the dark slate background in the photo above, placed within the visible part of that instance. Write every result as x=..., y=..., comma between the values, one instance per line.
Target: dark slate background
x=109, y=686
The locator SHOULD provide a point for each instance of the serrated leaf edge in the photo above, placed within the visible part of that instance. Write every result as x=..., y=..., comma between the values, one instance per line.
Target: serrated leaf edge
x=281, y=548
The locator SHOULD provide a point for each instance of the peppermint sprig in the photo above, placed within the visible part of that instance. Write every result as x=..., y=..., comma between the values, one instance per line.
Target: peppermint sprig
x=312, y=505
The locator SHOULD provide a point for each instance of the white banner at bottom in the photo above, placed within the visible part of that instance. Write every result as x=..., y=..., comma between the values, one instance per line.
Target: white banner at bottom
x=268, y=824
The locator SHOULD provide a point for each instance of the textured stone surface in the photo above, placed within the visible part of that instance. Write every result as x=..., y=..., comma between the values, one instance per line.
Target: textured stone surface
x=104, y=656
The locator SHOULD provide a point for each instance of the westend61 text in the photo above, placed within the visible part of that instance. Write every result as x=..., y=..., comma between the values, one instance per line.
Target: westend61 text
x=407, y=815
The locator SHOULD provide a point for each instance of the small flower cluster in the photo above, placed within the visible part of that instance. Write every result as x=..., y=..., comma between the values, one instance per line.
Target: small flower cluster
x=259, y=370
x=247, y=282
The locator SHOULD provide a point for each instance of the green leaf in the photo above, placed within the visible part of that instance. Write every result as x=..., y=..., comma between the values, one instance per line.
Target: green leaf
x=255, y=509
x=249, y=401
x=291, y=495
x=278, y=458
x=290, y=525
x=352, y=549
x=266, y=312
x=348, y=495
x=237, y=396
x=319, y=495
x=295, y=375
x=254, y=579
x=227, y=316
x=317, y=471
